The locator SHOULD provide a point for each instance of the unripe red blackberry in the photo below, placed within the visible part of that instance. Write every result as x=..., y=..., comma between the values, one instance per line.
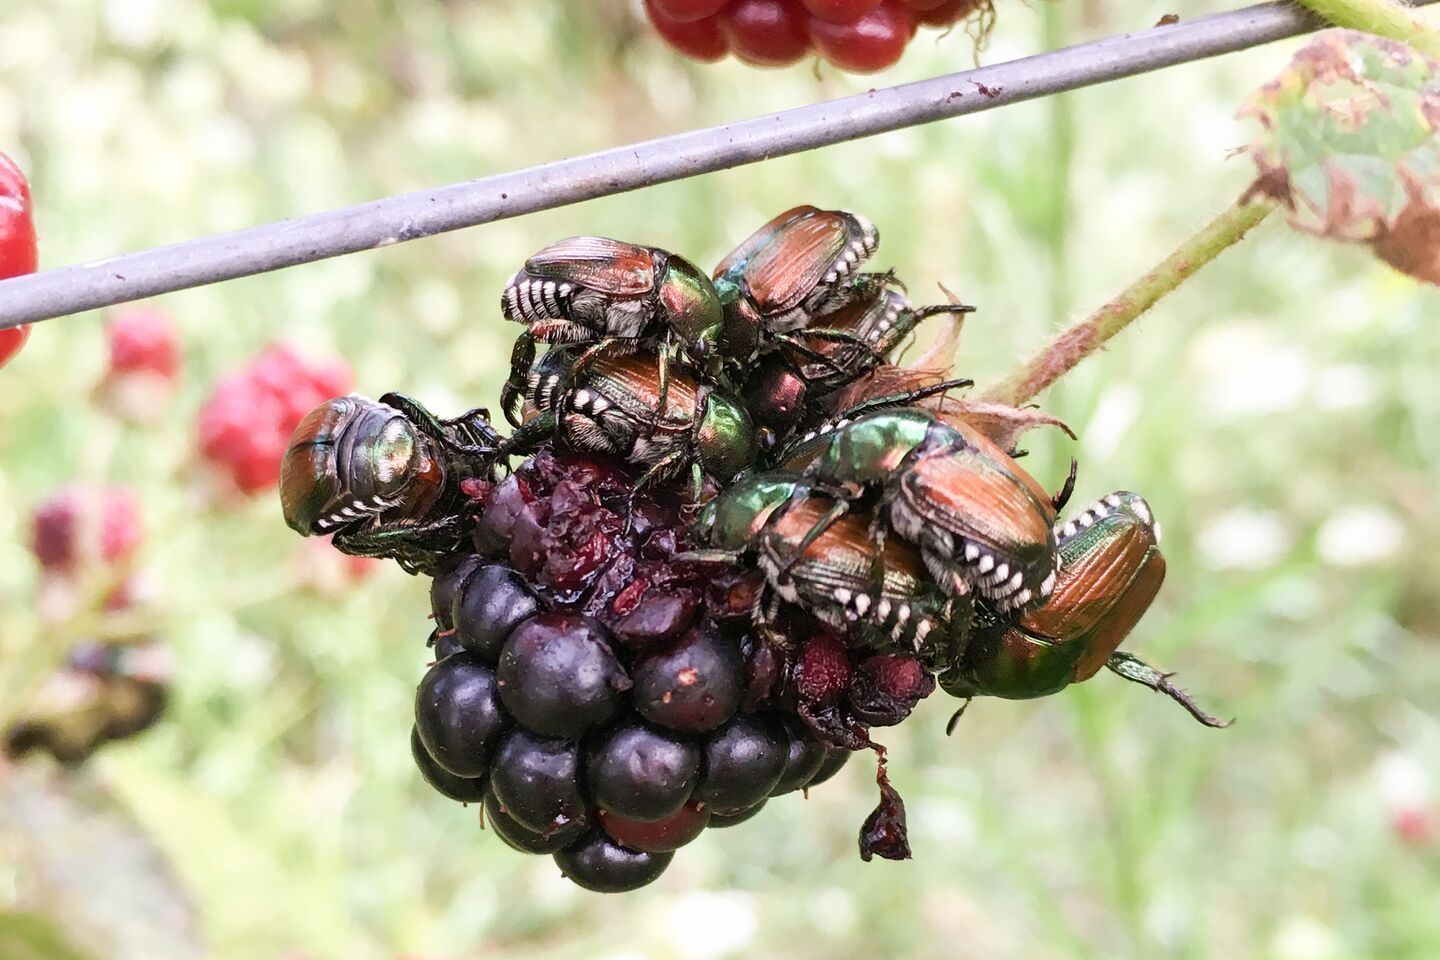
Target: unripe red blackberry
x=658, y=836
x=80, y=526
x=245, y=425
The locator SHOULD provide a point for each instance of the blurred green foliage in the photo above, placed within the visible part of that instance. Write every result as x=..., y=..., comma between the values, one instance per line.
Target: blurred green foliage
x=1281, y=414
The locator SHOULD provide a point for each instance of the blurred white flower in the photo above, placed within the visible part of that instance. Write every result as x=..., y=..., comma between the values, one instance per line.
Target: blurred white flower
x=1243, y=539
x=1403, y=779
x=1305, y=938
x=1344, y=387
x=1355, y=536
x=706, y=925
x=1246, y=374
x=1115, y=414
x=1405, y=792
x=137, y=23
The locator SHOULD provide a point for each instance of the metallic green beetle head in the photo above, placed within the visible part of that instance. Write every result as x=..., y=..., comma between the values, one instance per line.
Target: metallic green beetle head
x=352, y=459
x=694, y=313
x=735, y=518
x=727, y=440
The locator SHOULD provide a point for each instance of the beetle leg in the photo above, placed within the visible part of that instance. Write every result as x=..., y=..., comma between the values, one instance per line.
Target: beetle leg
x=935, y=310
x=901, y=399
x=654, y=473
x=512, y=393
x=837, y=510
x=877, y=559
x=526, y=438
x=955, y=717
x=792, y=341
x=415, y=546
x=1134, y=669
x=708, y=556
x=662, y=375
x=1063, y=497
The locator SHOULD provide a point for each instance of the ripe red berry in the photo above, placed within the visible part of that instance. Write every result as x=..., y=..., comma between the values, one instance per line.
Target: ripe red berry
x=697, y=39
x=767, y=33
x=19, y=252
x=143, y=340
x=688, y=11
x=872, y=43
x=144, y=364
x=245, y=425
x=840, y=11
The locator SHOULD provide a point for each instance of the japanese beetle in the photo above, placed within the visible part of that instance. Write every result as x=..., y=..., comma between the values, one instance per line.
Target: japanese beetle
x=801, y=265
x=980, y=520
x=787, y=391
x=385, y=478
x=1111, y=569
x=615, y=405
x=597, y=291
x=847, y=578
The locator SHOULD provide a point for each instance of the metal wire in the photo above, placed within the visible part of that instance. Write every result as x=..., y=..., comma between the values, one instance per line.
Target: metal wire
x=410, y=216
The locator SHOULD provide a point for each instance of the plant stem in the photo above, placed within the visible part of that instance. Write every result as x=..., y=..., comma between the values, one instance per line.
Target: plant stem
x=1383, y=18
x=1090, y=334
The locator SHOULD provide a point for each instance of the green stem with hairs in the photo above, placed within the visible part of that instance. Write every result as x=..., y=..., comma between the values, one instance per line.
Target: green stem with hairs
x=1383, y=18
x=1084, y=338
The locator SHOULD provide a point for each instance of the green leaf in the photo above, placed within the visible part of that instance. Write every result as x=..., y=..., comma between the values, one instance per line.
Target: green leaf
x=1348, y=144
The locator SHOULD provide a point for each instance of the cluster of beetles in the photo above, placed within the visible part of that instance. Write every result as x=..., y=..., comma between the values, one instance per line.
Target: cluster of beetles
x=763, y=395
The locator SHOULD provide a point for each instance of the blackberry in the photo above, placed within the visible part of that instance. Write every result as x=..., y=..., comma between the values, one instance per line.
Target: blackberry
x=487, y=606
x=804, y=757
x=693, y=686
x=744, y=761
x=463, y=789
x=732, y=819
x=458, y=715
x=833, y=763
x=517, y=837
x=537, y=780
x=630, y=702
x=598, y=863
x=446, y=587
x=444, y=644
x=642, y=774
x=559, y=677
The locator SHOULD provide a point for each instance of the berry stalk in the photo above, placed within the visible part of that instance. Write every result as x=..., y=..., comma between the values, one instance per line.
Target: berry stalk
x=1080, y=340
